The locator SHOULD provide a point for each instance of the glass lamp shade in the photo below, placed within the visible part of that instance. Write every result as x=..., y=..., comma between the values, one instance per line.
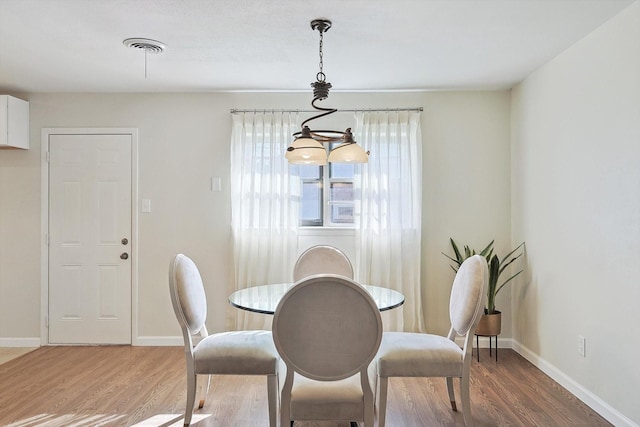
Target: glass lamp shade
x=348, y=153
x=306, y=151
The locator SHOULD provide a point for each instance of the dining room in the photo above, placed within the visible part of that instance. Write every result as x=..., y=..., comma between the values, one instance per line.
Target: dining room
x=323, y=316
x=548, y=158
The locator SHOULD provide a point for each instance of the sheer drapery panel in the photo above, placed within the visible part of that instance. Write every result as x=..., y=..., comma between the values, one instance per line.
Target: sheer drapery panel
x=265, y=194
x=389, y=212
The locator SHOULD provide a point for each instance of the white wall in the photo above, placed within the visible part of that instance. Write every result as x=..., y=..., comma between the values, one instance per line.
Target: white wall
x=466, y=190
x=183, y=141
x=576, y=202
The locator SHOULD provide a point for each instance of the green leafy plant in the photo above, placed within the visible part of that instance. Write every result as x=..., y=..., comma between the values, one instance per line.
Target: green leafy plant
x=496, y=265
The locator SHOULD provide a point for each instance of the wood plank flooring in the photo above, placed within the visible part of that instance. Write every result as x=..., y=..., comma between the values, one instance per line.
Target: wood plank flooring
x=8, y=353
x=145, y=386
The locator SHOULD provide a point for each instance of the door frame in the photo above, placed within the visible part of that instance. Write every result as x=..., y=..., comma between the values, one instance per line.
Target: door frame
x=44, y=224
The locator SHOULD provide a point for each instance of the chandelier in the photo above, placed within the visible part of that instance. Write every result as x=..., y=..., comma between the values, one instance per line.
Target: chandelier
x=308, y=144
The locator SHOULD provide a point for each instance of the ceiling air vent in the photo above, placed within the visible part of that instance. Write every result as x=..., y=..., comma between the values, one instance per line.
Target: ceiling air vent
x=148, y=45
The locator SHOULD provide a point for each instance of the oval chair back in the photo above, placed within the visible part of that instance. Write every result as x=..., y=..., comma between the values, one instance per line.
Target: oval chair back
x=187, y=294
x=322, y=259
x=466, y=303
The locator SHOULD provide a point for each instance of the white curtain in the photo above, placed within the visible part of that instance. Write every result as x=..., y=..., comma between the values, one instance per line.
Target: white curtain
x=265, y=194
x=390, y=211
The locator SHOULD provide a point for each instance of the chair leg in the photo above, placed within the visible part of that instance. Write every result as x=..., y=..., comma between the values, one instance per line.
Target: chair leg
x=452, y=395
x=272, y=395
x=285, y=400
x=204, y=390
x=466, y=404
x=383, y=384
x=191, y=395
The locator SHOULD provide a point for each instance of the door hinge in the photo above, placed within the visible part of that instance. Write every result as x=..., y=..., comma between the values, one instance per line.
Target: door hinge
x=46, y=321
x=46, y=239
x=47, y=157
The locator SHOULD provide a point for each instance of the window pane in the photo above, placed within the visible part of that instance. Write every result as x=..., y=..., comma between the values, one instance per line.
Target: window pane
x=342, y=214
x=341, y=192
x=341, y=170
x=341, y=198
x=310, y=172
x=311, y=204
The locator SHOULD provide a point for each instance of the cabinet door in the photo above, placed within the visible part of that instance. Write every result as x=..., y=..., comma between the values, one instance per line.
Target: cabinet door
x=14, y=122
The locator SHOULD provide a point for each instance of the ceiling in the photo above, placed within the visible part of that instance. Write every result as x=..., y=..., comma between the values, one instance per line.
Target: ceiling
x=259, y=45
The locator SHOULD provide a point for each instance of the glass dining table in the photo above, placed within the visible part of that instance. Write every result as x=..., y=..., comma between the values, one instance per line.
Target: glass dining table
x=265, y=298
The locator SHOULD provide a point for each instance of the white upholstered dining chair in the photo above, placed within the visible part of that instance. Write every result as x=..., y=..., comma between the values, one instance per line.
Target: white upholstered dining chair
x=225, y=353
x=327, y=330
x=322, y=259
x=406, y=354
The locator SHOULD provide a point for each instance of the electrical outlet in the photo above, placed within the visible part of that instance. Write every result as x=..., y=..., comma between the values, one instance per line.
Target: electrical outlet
x=582, y=346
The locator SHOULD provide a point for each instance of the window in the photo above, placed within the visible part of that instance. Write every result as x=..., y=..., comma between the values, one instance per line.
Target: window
x=327, y=195
x=311, y=212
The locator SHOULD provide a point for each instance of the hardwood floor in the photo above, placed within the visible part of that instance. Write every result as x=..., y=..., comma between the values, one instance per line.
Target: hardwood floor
x=125, y=386
x=8, y=353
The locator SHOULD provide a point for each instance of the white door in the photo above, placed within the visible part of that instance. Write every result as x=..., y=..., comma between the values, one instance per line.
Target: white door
x=90, y=239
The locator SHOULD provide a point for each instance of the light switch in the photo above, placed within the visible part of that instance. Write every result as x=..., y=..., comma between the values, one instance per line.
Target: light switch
x=146, y=205
x=216, y=183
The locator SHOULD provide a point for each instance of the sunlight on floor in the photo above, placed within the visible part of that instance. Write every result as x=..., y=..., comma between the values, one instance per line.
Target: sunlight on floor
x=54, y=420
x=170, y=420
x=75, y=420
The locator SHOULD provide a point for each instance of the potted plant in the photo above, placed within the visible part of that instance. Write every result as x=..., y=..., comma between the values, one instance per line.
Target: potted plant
x=491, y=322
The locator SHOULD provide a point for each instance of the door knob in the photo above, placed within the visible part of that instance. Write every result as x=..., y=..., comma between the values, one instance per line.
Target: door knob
x=125, y=241
x=124, y=255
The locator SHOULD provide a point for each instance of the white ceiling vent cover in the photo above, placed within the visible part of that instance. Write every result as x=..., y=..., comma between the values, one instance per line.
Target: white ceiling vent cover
x=148, y=45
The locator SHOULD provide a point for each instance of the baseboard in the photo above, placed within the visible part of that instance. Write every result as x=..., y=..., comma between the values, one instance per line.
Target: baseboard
x=502, y=342
x=139, y=341
x=483, y=342
x=594, y=402
x=158, y=341
x=20, y=342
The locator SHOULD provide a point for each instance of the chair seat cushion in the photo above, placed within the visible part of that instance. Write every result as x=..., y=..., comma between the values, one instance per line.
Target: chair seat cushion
x=236, y=353
x=407, y=354
x=327, y=400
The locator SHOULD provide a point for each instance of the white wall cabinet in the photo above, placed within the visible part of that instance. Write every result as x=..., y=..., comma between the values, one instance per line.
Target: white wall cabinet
x=14, y=122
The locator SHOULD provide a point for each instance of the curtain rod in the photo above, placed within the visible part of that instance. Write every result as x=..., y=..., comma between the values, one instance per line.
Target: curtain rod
x=348, y=110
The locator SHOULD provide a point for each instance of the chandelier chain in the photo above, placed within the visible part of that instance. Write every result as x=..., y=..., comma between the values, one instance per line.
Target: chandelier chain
x=321, y=77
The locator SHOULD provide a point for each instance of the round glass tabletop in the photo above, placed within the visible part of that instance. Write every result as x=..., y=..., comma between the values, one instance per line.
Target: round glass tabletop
x=264, y=299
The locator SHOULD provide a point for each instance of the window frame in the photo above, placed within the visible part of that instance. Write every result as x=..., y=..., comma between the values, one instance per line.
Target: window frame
x=325, y=182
